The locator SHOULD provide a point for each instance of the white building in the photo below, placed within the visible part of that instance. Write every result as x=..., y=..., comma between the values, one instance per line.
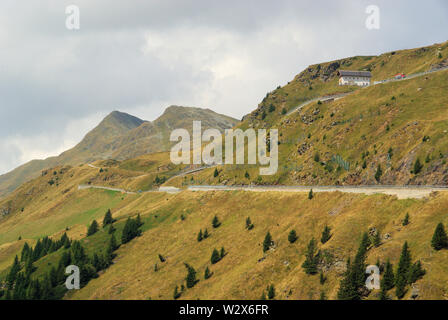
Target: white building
x=354, y=78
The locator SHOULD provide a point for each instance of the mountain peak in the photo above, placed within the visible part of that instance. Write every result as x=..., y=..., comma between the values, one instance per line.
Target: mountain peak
x=122, y=119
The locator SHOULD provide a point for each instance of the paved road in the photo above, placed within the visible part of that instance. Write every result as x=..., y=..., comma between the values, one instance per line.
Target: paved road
x=402, y=192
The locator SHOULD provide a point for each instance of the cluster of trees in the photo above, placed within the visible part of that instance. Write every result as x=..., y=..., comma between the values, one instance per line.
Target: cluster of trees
x=352, y=286
x=22, y=285
x=203, y=236
x=217, y=256
x=131, y=229
x=271, y=293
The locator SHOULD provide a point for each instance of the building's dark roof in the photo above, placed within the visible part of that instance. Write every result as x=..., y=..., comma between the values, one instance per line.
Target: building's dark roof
x=343, y=73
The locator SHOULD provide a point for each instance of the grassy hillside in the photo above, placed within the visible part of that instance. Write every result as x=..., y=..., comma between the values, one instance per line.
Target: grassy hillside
x=343, y=142
x=245, y=271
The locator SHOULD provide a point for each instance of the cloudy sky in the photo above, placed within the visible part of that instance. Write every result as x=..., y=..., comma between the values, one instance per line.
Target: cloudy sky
x=142, y=56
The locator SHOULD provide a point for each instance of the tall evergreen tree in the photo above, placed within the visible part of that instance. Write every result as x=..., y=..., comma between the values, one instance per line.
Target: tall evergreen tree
x=200, y=236
x=311, y=258
x=267, y=242
x=207, y=273
x=402, y=275
x=191, y=276
x=107, y=218
x=310, y=194
x=416, y=272
x=388, y=278
x=93, y=228
x=439, y=239
x=326, y=234
x=249, y=224
x=271, y=292
x=406, y=220
x=215, y=257
x=215, y=222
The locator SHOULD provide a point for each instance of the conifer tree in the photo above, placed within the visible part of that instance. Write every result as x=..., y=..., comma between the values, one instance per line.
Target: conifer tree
x=417, y=166
x=93, y=228
x=439, y=239
x=402, y=275
x=222, y=253
x=326, y=235
x=215, y=257
x=207, y=273
x=383, y=293
x=215, y=173
x=200, y=236
x=215, y=222
x=162, y=258
x=138, y=221
x=311, y=258
x=107, y=218
x=191, y=276
x=388, y=278
x=406, y=220
x=267, y=242
x=416, y=272
x=12, y=275
x=206, y=234
x=263, y=295
x=310, y=194
x=271, y=292
x=292, y=236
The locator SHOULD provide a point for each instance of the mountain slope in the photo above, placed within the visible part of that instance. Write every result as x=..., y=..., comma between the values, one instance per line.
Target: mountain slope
x=374, y=135
x=119, y=136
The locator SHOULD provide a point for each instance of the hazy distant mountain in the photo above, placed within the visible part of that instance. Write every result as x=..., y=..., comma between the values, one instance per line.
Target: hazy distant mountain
x=120, y=136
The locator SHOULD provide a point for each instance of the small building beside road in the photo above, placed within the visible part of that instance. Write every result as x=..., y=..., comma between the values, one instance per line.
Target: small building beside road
x=357, y=78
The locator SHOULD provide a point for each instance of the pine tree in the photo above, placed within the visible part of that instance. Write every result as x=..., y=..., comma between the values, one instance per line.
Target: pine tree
x=215, y=257
x=311, y=259
x=222, y=253
x=326, y=235
x=207, y=273
x=191, y=276
x=406, y=220
x=12, y=275
x=416, y=272
x=138, y=221
x=93, y=228
x=404, y=265
x=388, y=278
x=263, y=295
x=417, y=166
x=292, y=236
x=113, y=243
x=107, y=218
x=200, y=236
x=379, y=173
x=215, y=222
x=271, y=292
x=162, y=258
x=439, y=239
x=215, y=173
x=383, y=293
x=310, y=194
x=206, y=234
x=267, y=242
x=65, y=241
